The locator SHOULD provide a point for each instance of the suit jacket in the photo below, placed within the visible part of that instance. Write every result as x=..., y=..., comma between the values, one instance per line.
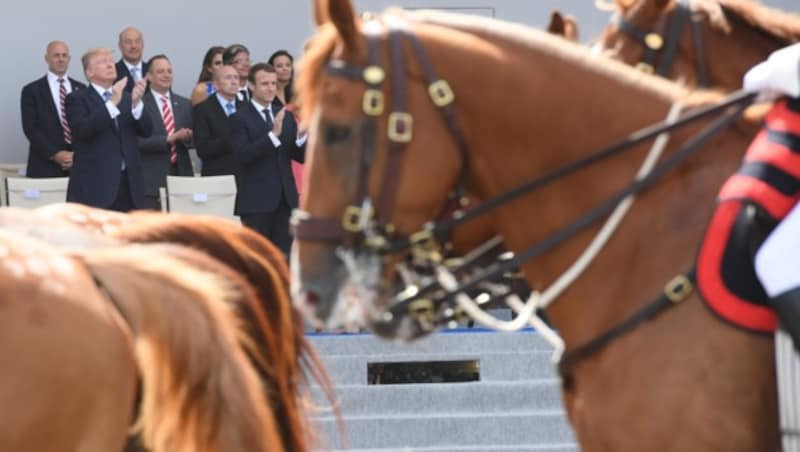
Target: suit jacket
x=100, y=146
x=266, y=170
x=212, y=139
x=122, y=71
x=42, y=125
x=154, y=150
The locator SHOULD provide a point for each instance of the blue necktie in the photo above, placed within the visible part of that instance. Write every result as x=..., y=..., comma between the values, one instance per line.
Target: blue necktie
x=229, y=108
x=106, y=96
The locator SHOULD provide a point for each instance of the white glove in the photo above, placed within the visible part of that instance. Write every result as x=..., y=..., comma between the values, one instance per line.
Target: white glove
x=779, y=75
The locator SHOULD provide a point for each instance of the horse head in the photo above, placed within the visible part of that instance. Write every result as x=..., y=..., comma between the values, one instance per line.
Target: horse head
x=377, y=137
x=706, y=43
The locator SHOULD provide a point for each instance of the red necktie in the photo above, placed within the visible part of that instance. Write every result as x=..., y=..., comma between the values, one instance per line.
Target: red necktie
x=169, y=124
x=62, y=95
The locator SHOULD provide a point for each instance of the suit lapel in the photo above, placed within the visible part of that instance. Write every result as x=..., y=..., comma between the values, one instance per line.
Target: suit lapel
x=47, y=96
x=152, y=108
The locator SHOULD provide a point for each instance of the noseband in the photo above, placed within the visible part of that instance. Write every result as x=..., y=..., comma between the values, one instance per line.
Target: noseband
x=663, y=46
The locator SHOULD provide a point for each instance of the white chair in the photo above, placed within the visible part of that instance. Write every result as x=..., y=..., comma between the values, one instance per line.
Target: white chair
x=30, y=193
x=210, y=195
x=9, y=170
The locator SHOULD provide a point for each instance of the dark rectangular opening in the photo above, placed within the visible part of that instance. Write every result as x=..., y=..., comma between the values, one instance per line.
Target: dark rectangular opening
x=415, y=372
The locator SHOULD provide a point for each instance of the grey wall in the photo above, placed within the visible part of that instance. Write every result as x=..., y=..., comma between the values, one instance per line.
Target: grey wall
x=184, y=29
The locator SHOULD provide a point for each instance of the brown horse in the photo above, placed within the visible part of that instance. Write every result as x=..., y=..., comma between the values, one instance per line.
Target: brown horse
x=81, y=328
x=283, y=355
x=716, y=41
x=685, y=381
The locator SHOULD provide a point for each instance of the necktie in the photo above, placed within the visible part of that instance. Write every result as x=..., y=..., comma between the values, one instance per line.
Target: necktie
x=229, y=108
x=268, y=117
x=62, y=95
x=135, y=73
x=243, y=95
x=169, y=124
x=106, y=96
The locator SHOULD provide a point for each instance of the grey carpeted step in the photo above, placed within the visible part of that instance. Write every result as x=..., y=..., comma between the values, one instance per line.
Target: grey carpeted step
x=494, y=365
x=446, y=398
x=516, y=448
x=461, y=341
x=453, y=430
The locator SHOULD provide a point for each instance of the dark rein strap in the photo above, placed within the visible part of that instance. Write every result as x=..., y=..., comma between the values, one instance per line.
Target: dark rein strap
x=674, y=292
x=437, y=230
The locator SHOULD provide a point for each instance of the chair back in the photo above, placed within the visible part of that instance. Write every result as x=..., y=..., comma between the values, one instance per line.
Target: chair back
x=210, y=195
x=31, y=193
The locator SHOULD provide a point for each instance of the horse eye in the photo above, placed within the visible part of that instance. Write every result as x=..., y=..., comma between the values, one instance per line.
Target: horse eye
x=336, y=134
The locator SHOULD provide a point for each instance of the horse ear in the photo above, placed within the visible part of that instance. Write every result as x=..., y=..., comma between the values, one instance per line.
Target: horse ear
x=556, y=25
x=320, y=13
x=341, y=13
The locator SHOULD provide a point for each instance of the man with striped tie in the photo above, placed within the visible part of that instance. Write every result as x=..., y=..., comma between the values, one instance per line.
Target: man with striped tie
x=167, y=150
x=43, y=119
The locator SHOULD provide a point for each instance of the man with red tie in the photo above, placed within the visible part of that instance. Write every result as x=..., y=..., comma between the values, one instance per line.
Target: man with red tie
x=43, y=118
x=166, y=151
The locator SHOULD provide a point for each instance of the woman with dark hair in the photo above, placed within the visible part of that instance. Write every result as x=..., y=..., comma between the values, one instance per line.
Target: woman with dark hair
x=283, y=61
x=205, y=87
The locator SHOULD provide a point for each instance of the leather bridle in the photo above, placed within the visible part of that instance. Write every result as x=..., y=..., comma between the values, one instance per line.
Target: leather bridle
x=661, y=46
x=364, y=228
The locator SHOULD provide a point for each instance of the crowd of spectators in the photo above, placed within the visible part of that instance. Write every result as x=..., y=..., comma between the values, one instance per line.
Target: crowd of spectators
x=119, y=134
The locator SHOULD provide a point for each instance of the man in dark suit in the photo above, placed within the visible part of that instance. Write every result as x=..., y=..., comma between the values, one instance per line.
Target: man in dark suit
x=43, y=119
x=131, y=65
x=166, y=150
x=212, y=130
x=266, y=142
x=105, y=121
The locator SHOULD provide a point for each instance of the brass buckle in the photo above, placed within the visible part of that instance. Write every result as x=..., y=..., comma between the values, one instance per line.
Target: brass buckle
x=421, y=310
x=654, y=41
x=351, y=219
x=678, y=288
x=644, y=67
x=460, y=315
x=441, y=93
x=372, y=103
x=397, y=133
x=423, y=244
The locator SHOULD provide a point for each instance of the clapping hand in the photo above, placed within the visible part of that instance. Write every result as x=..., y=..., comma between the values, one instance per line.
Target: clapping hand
x=277, y=128
x=117, y=89
x=138, y=92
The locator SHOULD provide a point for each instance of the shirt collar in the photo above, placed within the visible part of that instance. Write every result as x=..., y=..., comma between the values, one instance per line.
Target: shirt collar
x=54, y=78
x=258, y=106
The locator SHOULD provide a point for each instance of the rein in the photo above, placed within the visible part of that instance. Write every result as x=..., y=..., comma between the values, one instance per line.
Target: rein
x=664, y=50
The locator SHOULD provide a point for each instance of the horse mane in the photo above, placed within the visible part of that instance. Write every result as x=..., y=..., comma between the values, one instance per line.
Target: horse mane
x=282, y=351
x=203, y=401
x=275, y=342
x=772, y=22
x=326, y=41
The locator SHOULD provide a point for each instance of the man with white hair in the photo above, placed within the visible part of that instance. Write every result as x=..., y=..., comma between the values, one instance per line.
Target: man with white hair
x=105, y=122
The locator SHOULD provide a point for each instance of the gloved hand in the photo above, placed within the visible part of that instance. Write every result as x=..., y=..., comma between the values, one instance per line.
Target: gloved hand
x=778, y=76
